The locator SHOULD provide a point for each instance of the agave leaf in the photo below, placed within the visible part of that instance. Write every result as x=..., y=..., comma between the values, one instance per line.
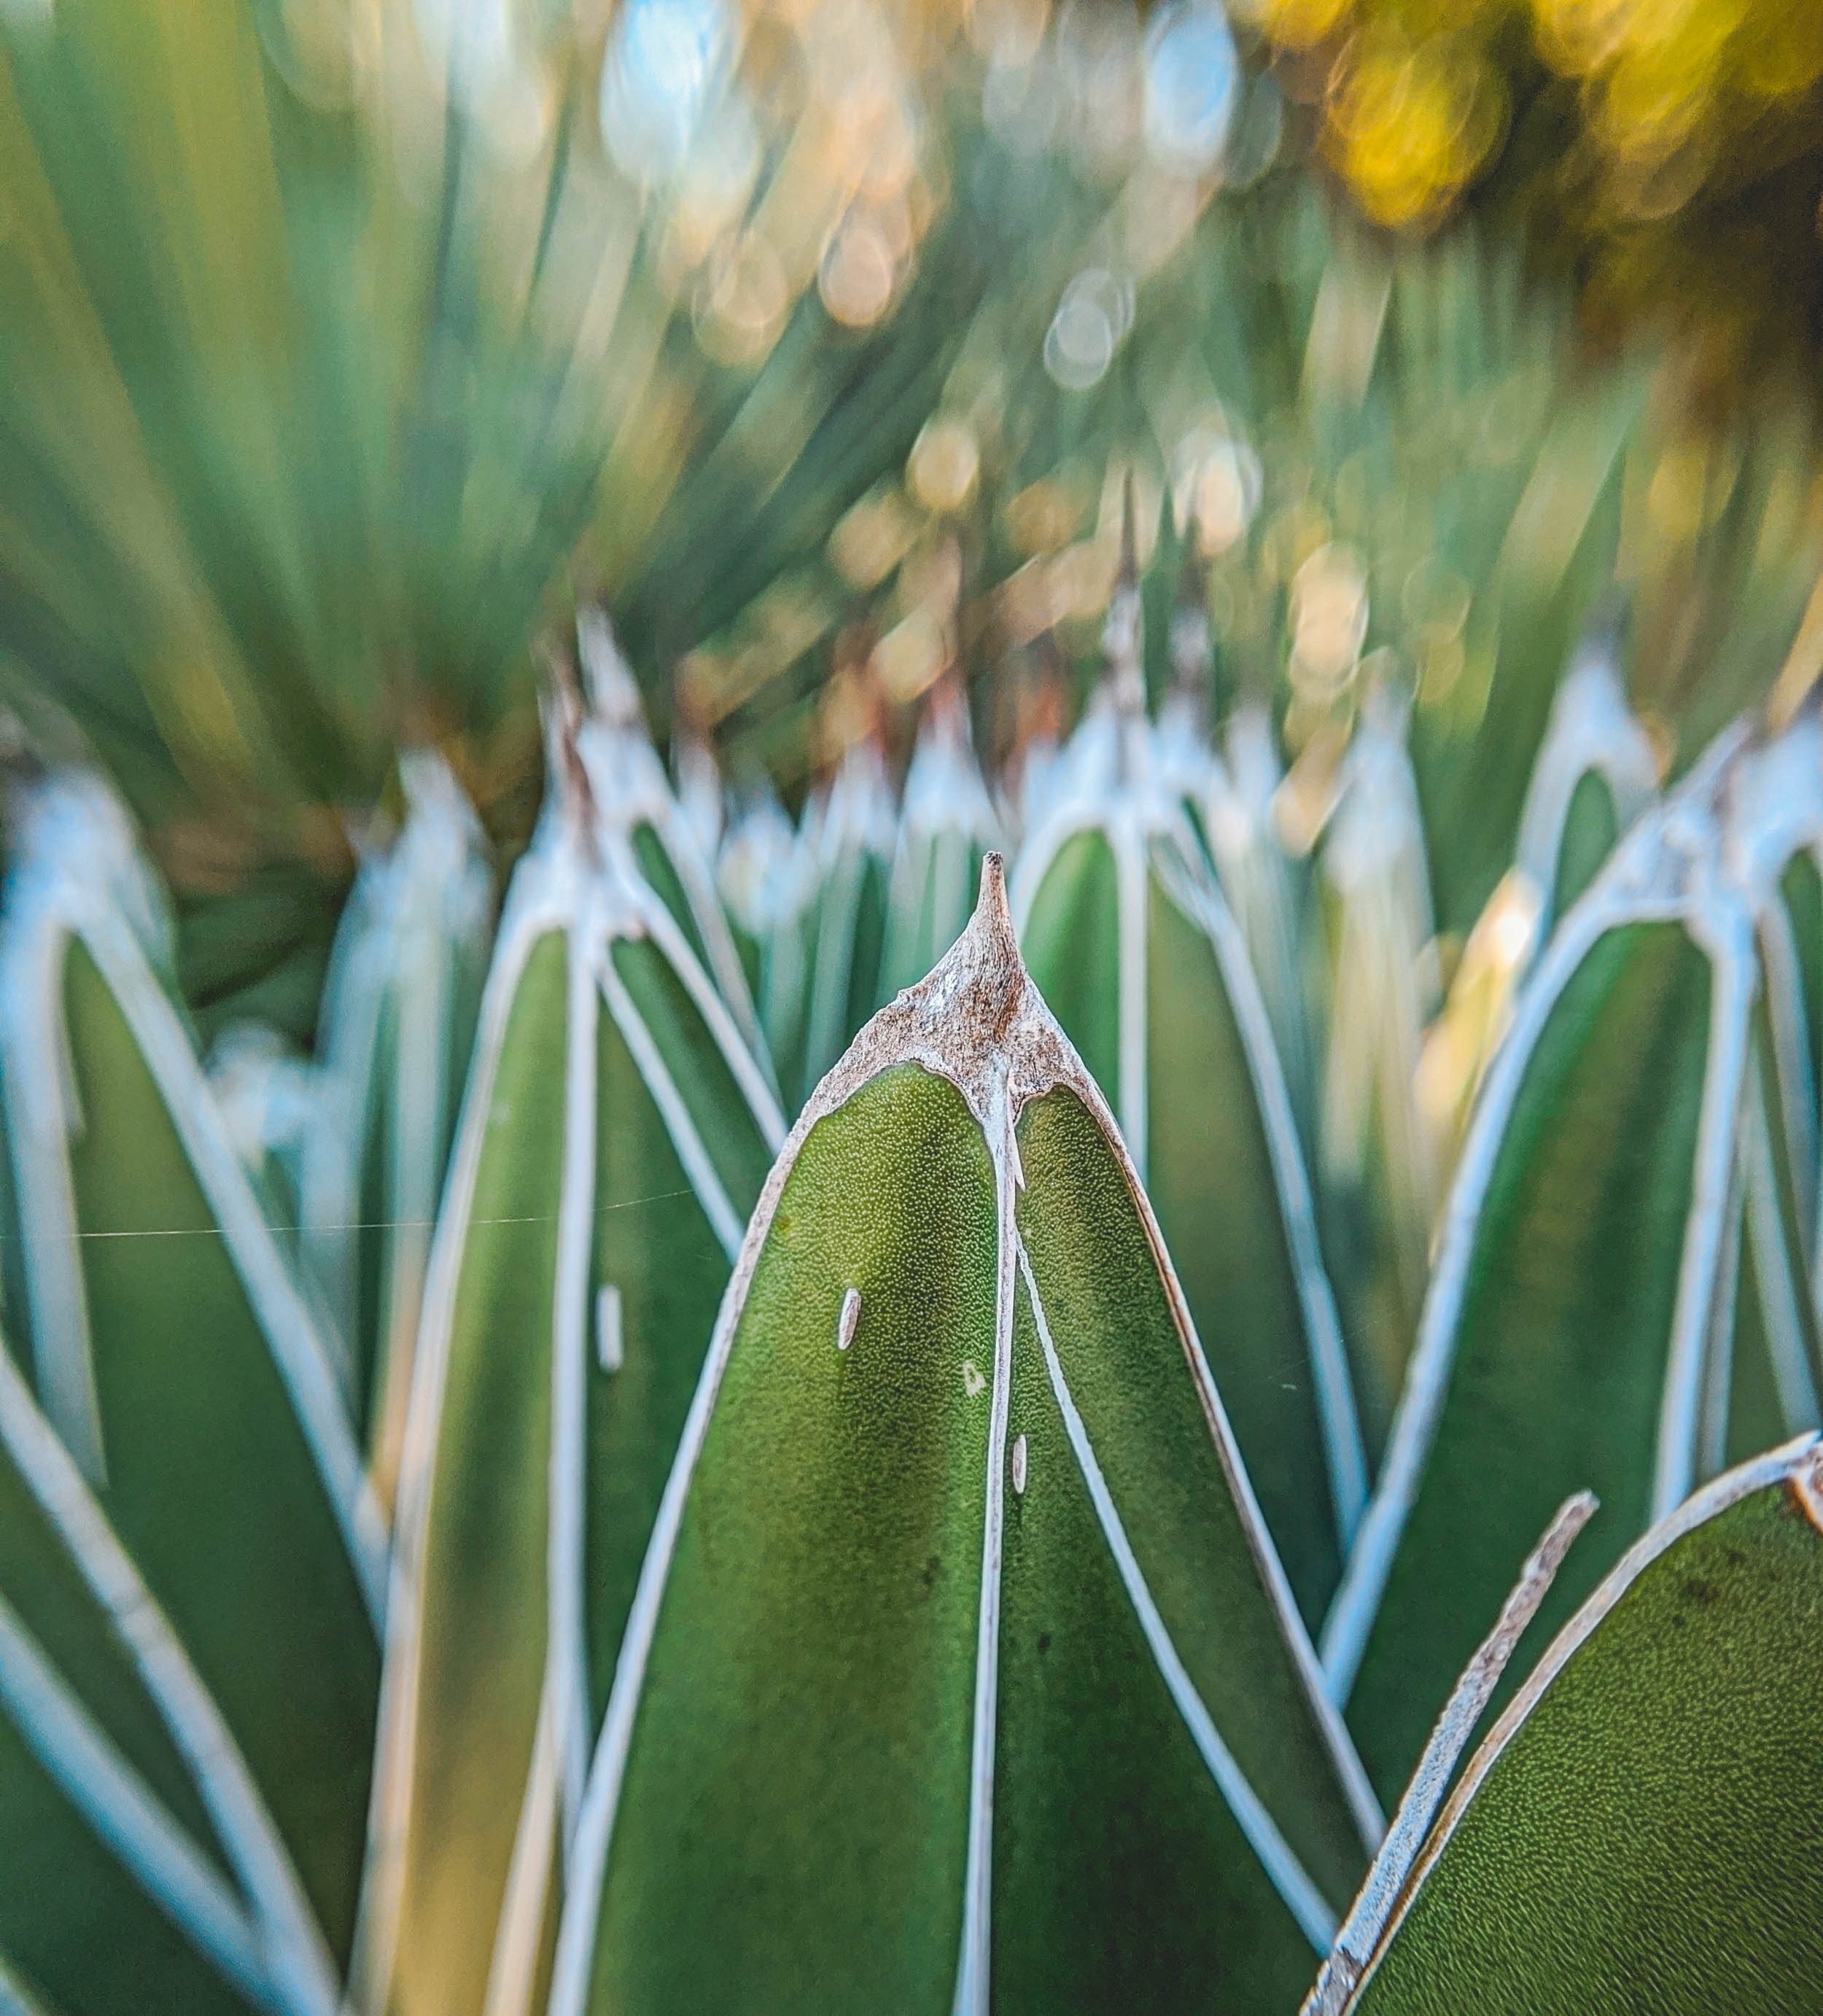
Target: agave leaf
x=1594, y=774
x=1262, y=889
x=1584, y=1326
x=195, y=1390
x=958, y=1595
x=270, y=1100
x=1638, y=1831
x=847, y=838
x=396, y=1021
x=1377, y=1154
x=1133, y=946
x=17, y=2000
x=946, y=824
x=615, y=1133
x=757, y=872
x=631, y=780
x=140, y=1860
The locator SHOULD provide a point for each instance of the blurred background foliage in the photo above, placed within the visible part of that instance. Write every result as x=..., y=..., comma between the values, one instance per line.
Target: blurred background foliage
x=346, y=346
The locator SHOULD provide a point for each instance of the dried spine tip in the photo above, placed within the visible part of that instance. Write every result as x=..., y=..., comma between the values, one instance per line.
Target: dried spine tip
x=850, y=1316
x=1807, y=1482
x=1019, y=1467
x=610, y=1350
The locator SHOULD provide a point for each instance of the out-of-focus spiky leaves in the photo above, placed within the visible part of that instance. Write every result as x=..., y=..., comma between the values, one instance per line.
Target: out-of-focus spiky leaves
x=1637, y=1830
x=117, y=1892
x=958, y=1582
x=614, y=1134
x=946, y=824
x=1377, y=1151
x=631, y=783
x=845, y=844
x=201, y=1395
x=1594, y=774
x=1591, y=1321
x=397, y=1020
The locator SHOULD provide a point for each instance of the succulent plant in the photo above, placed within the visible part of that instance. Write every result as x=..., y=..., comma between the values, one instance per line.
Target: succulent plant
x=855, y=1567
x=499, y=1519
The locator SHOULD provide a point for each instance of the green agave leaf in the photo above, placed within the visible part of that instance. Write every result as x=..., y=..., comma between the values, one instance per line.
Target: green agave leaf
x=946, y=824
x=139, y=1866
x=270, y=1099
x=1593, y=1320
x=847, y=840
x=759, y=872
x=1638, y=1831
x=173, y=1351
x=1376, y=1156
x=614, y=1134
x=397, y=1023
x=1264, y=891
x=632, y=780
x=16, y=1999
x=1595, y=774
x=1133, y=946
x=959, y=1637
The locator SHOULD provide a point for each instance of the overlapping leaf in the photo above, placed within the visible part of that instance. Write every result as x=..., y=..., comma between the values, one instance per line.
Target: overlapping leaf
x=958, y=1595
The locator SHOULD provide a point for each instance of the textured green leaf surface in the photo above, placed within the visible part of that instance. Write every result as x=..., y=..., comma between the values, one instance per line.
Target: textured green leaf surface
x=1210, y=1175
x=802, y=1746
x=1209, y=1168
x=818, y=1689
x=615, y=1136
x=211, y=1482
x=657, y=1255
x=1644, y=1839
x=1556, y=1367
x=1209, y=1929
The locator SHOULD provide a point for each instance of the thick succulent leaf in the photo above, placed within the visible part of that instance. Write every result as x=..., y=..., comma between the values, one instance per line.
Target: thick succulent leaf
x=633, y=791
x=1639, y=1830
x=1264, y=891
x=17, y=1999
x=613, y=1136
x=138, y=1848
x=195, y=1387
x=114, y=1892
x=946, y=824
x=897, y=1634
x=397, y=1023
x=1585, y=1328
x=1594, y=774
x=1137, y=954
x=465, y=1654
x=848, y=837
x=1377, y=1156
x=1591, y=825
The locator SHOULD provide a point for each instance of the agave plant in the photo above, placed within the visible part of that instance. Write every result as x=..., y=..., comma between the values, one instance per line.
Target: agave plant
x=496, y=1520
x=854, y=1566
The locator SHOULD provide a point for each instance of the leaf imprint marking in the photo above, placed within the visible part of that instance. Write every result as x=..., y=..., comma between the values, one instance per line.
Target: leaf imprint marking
x=972, y=1381
x=1019, y=1467
x=610, y=1348
x=850, y=1316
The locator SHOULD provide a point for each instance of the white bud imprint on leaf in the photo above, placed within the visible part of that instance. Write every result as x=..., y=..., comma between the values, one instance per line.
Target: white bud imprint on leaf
x=1019, y=1467
x=850, y=1316
x=610, y=1345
